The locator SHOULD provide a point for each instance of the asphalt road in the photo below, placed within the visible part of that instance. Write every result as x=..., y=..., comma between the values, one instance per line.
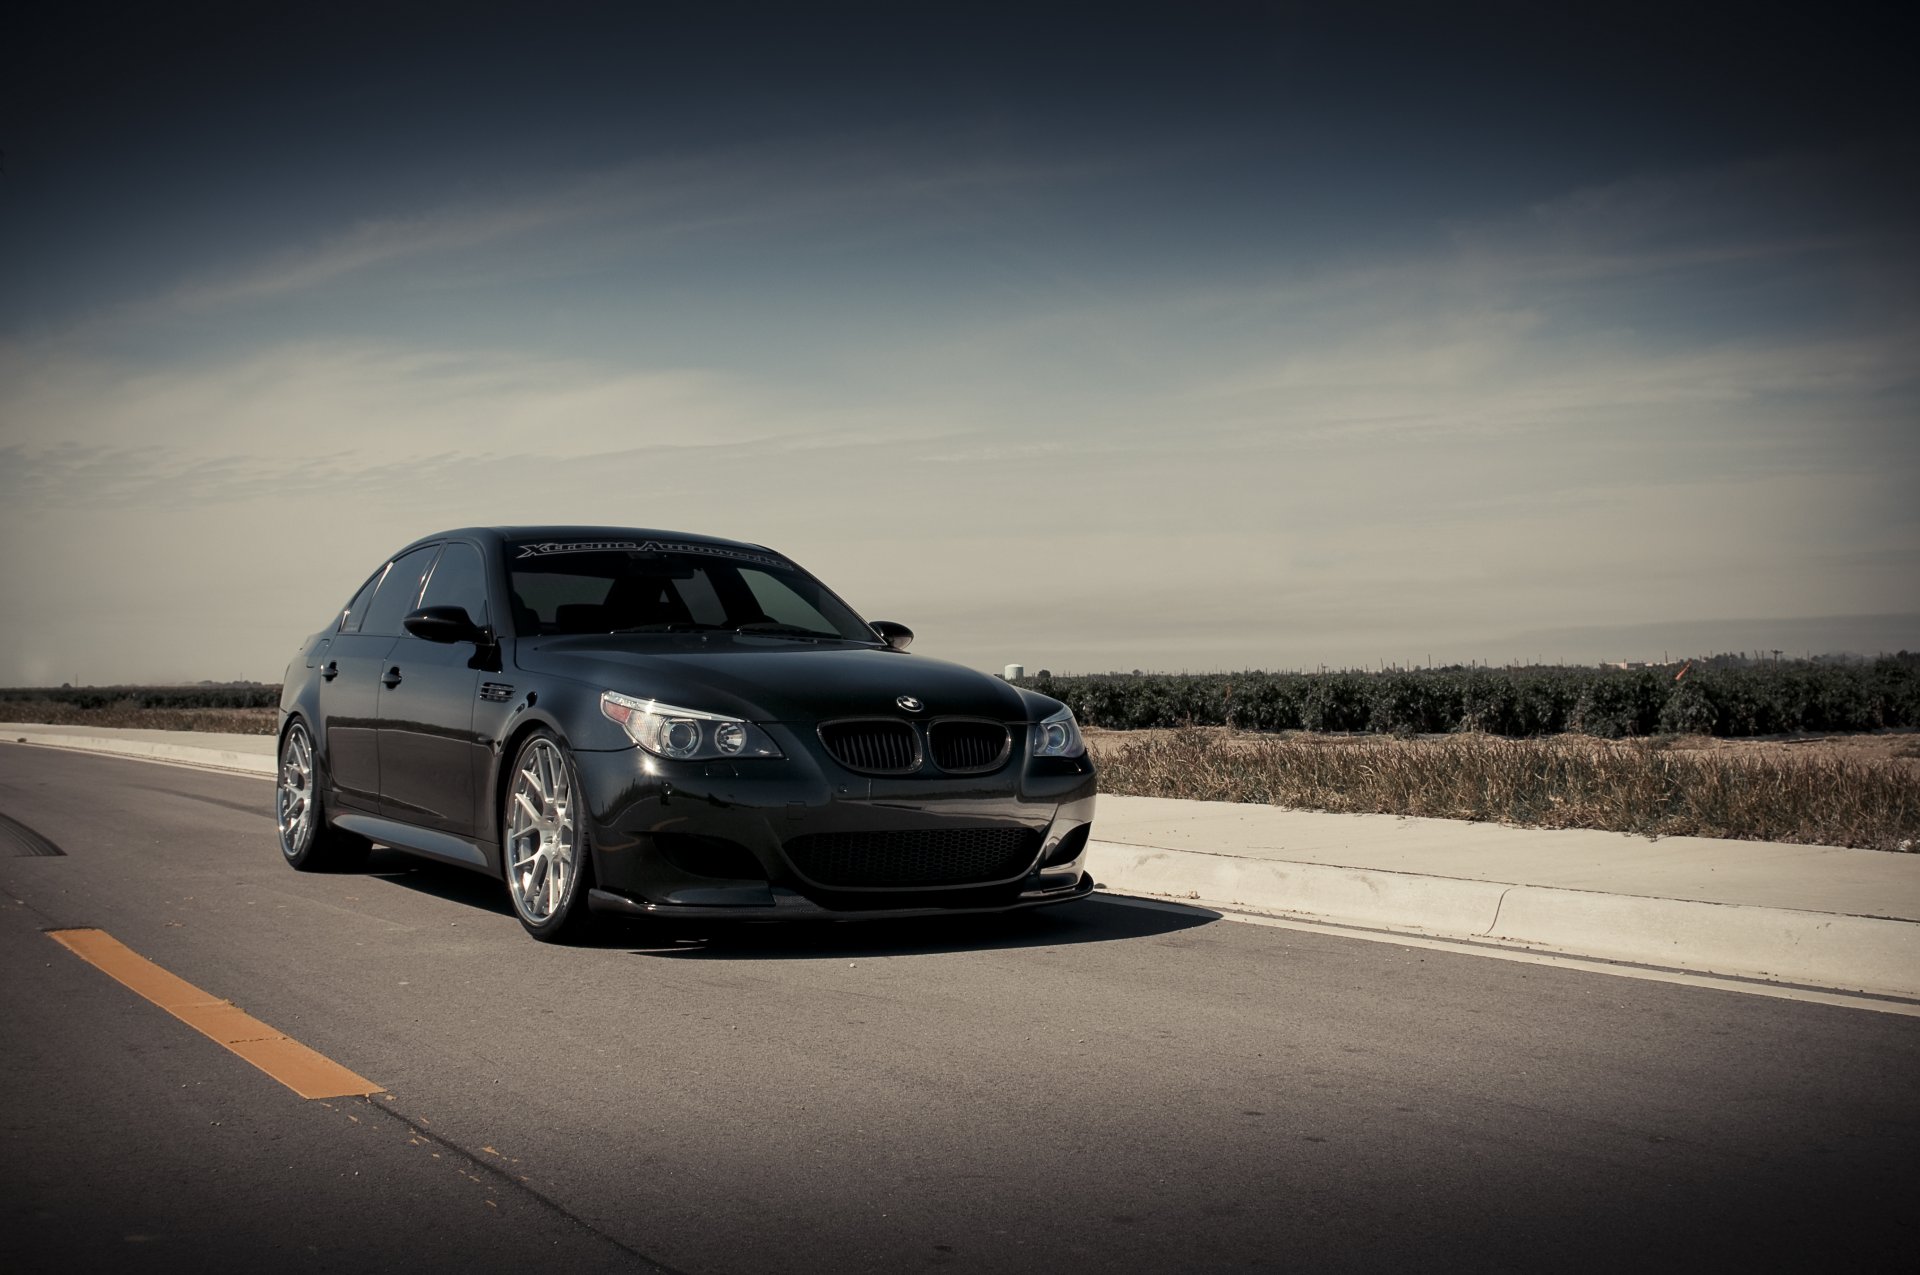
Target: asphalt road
x=1094, y=1087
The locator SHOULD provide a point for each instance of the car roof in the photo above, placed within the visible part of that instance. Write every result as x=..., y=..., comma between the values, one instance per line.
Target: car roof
x=501, y=535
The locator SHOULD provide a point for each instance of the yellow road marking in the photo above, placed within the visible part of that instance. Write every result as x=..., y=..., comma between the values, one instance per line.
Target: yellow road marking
x=300, y=1069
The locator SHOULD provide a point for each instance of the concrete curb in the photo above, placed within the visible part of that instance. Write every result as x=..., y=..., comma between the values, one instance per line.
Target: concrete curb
x=1877, y=955
x=153, y=750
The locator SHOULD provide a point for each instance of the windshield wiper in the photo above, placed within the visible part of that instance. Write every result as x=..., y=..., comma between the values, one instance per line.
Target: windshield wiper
x=773, y=628
x=759, y=628
x=673, y=626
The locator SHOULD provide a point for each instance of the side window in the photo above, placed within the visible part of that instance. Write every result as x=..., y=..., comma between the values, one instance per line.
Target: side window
x=357, y=609
x=398, y=592
x=459, y=580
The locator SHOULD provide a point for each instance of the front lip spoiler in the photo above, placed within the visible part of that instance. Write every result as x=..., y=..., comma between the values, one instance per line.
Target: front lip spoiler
x=795, y=907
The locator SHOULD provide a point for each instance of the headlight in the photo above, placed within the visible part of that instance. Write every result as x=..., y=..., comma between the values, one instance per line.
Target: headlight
x=686, y=734
x=1058, y=736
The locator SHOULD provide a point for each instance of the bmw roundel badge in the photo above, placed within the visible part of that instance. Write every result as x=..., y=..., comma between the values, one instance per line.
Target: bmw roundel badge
x=909, y=703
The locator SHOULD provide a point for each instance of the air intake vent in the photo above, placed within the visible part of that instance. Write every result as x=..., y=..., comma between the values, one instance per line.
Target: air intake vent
x=969, y=747
x=877, y=746
x=704, y=856
x=922, y=857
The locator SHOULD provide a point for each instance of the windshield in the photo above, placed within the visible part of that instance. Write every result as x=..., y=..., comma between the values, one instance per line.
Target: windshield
x=561, y=588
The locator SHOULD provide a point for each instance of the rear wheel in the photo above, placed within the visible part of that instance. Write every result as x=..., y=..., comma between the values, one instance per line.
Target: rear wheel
x=544, y=851
x=305, y=837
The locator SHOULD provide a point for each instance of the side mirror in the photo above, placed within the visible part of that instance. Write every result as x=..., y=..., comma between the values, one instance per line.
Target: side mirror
x=897, y=636
x=443, y=624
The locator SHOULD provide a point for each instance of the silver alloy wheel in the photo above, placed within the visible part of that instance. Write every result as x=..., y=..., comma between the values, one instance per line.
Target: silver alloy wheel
x=541, y=854
x=293, y=802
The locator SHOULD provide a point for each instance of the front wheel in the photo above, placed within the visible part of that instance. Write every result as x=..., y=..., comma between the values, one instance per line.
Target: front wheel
x=306, y=839
x=544, y=851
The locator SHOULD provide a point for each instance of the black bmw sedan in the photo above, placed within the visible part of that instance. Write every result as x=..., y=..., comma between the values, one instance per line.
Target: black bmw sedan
x=647, y=723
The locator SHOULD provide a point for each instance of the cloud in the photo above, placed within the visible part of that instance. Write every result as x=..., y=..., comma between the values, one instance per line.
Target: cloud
x=335, y=419
x=1528, y=425
x=1503, y=375
x=376, y=405
x=1759, y=212
x=653, y=203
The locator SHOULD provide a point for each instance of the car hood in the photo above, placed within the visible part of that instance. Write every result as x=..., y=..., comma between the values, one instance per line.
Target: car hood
x=771, y=680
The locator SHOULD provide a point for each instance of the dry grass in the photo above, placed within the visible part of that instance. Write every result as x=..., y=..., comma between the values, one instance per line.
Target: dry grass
x=235, y=721
x=1564, y=782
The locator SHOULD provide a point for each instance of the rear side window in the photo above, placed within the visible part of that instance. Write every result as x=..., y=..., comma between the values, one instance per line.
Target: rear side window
x=459, y=580
x=399, y=591
x=357, y=609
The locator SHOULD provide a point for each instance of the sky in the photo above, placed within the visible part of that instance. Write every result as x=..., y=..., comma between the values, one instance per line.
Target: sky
x=1198, y=336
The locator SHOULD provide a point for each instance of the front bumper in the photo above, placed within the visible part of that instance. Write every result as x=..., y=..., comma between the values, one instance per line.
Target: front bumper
x=712, y=839
x=790, y=906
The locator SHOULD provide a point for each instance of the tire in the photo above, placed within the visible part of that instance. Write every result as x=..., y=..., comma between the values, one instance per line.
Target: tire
x=307, y=840
x=543, y=850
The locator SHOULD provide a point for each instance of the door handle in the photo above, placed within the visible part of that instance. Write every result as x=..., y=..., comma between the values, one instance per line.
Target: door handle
x=330, y=670
x=392, y=679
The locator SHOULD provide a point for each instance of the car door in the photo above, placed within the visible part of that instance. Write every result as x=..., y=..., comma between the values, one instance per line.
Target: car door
x=347, y=709
x=350, y=677
x=429, y=752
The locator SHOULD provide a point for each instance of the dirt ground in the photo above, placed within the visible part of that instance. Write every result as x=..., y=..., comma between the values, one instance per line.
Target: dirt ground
x=236, y=721
x=1901, y=746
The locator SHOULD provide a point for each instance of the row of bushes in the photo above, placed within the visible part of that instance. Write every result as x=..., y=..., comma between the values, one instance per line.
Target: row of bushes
x=252, y=695
x=1764, y=699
